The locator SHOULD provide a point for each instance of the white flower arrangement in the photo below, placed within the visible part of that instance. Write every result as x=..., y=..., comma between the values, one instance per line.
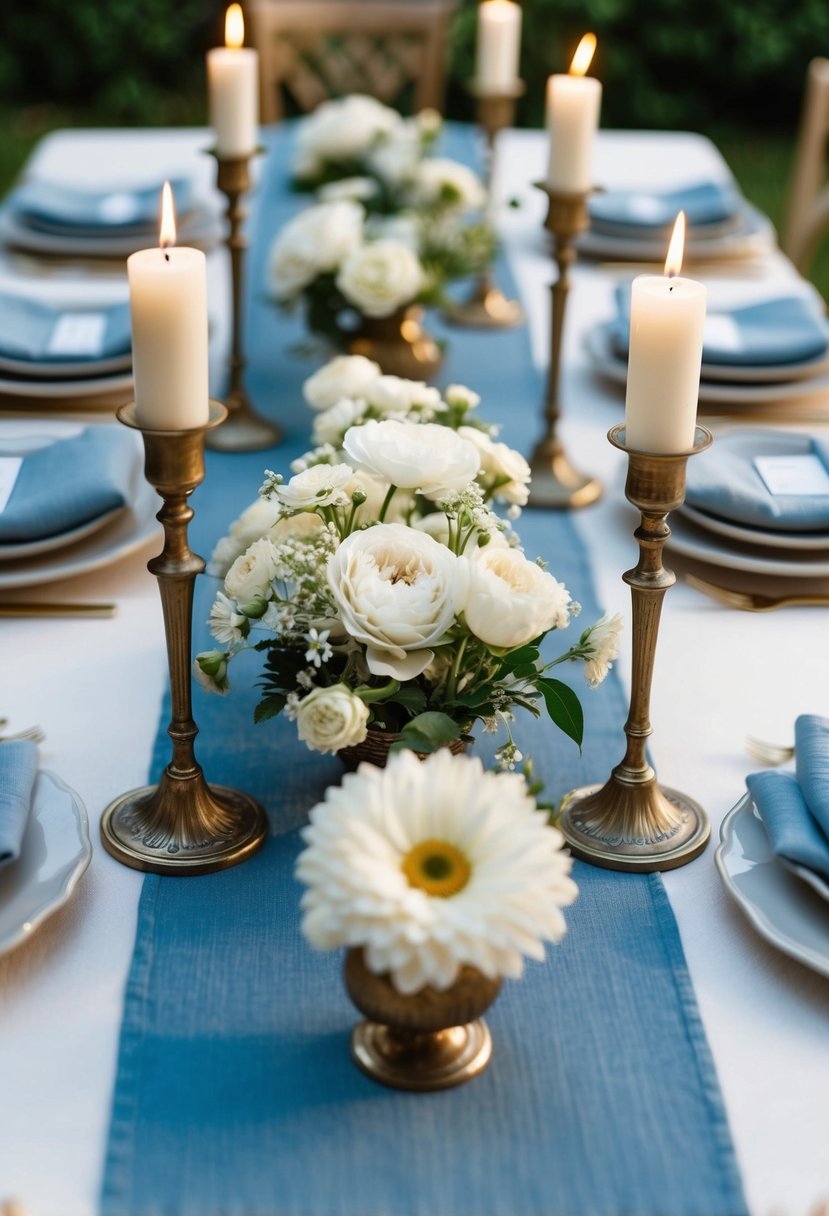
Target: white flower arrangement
x=431, y=867
x=385, y=585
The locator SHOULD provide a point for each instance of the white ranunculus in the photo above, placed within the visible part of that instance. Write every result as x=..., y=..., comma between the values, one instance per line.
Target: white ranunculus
x=332, y=424
x=315, y=242
x=397, y=592
x=414, y=456
x=344, y=129
x=380, y=277
x=394, y=395
x=331, y=718
x=343, y=376
x=250, y=575
x=355, y=189
x=497, y=462
x=511, y=600
x=320, y=486
x=440, y=181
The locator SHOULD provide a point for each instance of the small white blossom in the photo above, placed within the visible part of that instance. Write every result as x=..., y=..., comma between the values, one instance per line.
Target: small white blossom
x=600, y=646
x=319, y=648
x=320, y=486
x=227, y=624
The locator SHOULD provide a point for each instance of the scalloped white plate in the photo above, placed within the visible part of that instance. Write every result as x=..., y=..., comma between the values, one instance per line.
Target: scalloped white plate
x=56, y=850
x=785, y=911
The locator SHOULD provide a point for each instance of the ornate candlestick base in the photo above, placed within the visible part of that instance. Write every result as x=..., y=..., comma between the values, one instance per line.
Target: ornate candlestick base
x=244, y=430
x=631, y=823
x=555, y=482
x=182, y=825
x=428, y=1041
x=487, y=307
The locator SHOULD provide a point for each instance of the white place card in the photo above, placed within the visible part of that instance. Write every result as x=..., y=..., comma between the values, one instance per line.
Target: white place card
x=78, y=333
x=799, y=475
x=9, y=469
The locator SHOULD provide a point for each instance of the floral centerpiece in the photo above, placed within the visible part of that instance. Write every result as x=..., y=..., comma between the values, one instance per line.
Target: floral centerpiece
x=382, y=589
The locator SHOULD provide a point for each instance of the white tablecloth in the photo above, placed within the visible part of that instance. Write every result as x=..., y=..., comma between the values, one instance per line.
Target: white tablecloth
x=95, y=687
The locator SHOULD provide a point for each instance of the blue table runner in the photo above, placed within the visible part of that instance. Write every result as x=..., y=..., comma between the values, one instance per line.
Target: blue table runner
x=235, y=1094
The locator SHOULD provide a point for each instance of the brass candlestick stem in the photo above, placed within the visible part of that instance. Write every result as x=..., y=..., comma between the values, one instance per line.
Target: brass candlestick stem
x=631, y=823
x=244, y=430
x=487, y=307
x=555, y=482
x=182, y=825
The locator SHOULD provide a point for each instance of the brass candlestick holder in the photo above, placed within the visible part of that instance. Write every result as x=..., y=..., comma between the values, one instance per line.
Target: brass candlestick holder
x=631, y=823
x=487, y=307
x=555, y=482
x=244, y=430
x=182, y=825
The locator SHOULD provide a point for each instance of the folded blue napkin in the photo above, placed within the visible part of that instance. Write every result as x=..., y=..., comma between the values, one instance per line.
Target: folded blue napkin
x=18, y=770
x=790, y=329
x=704, y=203
x=69, y=483
x=794, y=807
x=725, y=481
x=34, y=331
x=55, y=205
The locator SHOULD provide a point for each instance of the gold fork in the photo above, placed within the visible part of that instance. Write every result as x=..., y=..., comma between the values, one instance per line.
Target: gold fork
x=768, y=753
x=750, y=601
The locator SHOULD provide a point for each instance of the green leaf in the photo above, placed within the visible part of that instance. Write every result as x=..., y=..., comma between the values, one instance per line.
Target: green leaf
x=564, y=708
x=411, y=698
x=269, y=708
x=428, y=731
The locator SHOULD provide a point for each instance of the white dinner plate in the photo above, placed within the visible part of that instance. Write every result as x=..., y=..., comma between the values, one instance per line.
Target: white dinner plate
x=133, y=528
x=74, y=369
x=812, y=541
x=54, y=854
x=753, y=235
x=202, y=229
x=33, y=548
x=784, y=910
x=54, y=390
x=695, y=542
x=602, y=354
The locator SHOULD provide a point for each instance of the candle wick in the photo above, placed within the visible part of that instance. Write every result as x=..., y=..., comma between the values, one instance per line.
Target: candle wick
x=166, y=256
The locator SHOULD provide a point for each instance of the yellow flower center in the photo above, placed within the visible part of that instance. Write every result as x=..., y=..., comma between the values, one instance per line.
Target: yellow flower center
x=437, y=867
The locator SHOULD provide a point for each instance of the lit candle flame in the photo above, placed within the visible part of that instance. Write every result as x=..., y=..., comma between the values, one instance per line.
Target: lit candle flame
x=583, y=56
x=168, y=218
x=673, y=262
x=234, y=27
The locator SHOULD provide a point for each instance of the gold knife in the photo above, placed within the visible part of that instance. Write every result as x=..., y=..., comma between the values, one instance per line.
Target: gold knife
x=75, y=609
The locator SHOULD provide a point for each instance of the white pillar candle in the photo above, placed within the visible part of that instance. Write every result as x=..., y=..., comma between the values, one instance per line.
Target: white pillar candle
x=168, y=307
x=498, y=46
x=667, y=317
x=573, y=105
x=233, y=82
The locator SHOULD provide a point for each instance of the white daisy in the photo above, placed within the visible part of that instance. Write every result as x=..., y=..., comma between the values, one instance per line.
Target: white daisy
x=226, y=624
x=600, y=646
x=433, y=865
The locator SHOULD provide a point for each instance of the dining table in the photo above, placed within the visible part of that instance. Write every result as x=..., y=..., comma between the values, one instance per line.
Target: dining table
x=95, y=686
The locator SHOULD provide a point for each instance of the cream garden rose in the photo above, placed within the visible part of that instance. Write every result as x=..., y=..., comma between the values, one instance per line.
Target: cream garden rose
x=344, y=376
x=397, y=591
x=315, y=242
x=380, y=277
x=250, y=575
x=329, y=719
x=511, y=600
x=503, y=470
x=414, y=456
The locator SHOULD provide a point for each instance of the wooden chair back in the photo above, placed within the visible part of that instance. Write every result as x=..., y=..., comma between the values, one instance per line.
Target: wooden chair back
x=316, y=49
x=807, y=209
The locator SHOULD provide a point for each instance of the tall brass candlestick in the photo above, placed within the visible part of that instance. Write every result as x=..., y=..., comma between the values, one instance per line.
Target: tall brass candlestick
x=555, y=482
x=487, y=307
x=244, y=430
x=182, y=825
x=631, y=823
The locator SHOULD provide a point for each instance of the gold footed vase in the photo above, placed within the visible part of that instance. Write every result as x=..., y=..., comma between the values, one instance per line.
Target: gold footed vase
x=427, y=1041
x=376, y=746
x=399, y=343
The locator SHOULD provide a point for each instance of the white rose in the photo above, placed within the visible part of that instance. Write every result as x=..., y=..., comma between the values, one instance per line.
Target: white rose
x=394, y=395
x=511, y=600
x=499, y=461
x=332, y=424
x=344, y=129
x=344, y=376
x=414, y=456
x=380, y=277
x=398, y=592
x=438, y=181
x=250, y=575
x=314, y=242
x=320, y=486
x=355, y=189
x=331, y=718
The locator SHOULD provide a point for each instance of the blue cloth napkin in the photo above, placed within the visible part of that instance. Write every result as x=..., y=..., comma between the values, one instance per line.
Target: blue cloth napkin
x=790, y=329
x=724, y=481
x=55, y=205
x=18, y=769
x=69, y=483
x=35, y=331
x=794, y=807
x=704, y=203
